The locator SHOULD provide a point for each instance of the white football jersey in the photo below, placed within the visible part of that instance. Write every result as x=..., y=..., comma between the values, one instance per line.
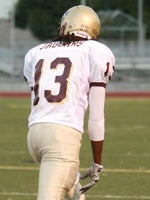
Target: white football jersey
x=60, y=77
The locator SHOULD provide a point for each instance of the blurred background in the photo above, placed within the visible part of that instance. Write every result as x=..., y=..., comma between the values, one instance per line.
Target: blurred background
x=125, y=28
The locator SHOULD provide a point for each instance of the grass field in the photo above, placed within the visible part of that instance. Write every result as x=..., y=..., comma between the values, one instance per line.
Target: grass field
x=126, y=156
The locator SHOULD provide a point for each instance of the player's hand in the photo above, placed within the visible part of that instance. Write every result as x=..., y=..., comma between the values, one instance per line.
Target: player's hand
x=93, y=173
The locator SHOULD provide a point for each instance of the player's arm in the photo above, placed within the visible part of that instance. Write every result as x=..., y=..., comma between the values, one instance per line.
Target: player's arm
x=96, y=126
x=96, y=134
x=101, y=73
x=97, y=149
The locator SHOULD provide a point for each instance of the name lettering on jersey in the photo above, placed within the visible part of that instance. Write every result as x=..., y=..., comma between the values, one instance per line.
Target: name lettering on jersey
x=61, y=44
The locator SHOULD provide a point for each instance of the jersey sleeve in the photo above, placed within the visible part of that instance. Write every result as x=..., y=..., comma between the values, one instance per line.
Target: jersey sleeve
x=102, y=66
x=29, y=64
x=27, y=70
x=102, y=62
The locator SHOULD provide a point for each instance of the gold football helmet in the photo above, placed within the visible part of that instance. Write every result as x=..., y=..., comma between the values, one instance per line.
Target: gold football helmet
x=81, y=21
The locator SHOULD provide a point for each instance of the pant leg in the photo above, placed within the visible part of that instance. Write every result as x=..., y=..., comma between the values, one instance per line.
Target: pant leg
x=57, y=147
x=74, y=193
x=55, y=185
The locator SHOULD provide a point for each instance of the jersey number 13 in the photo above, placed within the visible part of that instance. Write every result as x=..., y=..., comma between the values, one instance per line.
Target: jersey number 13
x=62, y=80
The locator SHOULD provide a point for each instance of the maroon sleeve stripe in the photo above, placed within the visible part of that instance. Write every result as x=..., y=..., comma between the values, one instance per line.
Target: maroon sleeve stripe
x=98, y=84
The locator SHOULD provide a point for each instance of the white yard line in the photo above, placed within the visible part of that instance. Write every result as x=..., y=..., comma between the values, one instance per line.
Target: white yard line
x=17, y=194
x=31, y=168
x=28, y=168
x=25, y=168
x=117, y=197
x=88, y=196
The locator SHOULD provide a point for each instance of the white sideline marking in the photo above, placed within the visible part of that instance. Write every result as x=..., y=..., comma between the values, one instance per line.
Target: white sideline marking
x=26, y=168
x=117, y=197
x=30, y=168
x=88, y=196
x=17, y=194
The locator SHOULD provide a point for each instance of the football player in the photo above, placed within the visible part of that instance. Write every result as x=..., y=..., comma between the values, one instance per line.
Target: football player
x=67, y=76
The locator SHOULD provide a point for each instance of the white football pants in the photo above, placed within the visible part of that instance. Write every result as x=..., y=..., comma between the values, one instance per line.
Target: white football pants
x=74, y=193
x=56, y=148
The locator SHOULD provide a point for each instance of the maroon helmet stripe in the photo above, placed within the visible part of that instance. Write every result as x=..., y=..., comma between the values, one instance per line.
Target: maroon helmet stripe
x=98, y=84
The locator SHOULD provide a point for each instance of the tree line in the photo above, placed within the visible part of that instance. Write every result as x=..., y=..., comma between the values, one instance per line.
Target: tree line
x=42, y=17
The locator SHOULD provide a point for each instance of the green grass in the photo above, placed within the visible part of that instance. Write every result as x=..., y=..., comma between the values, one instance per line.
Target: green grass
x=126, y=156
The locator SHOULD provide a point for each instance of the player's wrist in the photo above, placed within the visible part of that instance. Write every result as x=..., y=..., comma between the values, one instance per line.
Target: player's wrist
x=98, y=167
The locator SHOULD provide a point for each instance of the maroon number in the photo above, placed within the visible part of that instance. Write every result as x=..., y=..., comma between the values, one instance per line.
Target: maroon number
x=62, y=79
x=37, y=76
x=107, y=70
x=107, y=74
